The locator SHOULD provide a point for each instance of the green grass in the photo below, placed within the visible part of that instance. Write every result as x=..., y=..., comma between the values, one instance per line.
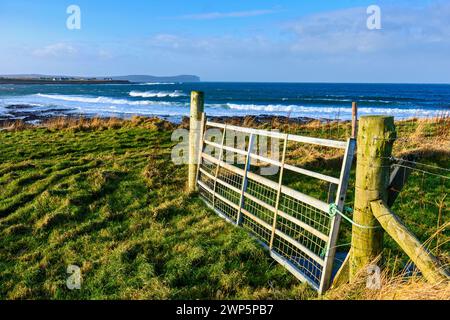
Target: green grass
x=110, y=200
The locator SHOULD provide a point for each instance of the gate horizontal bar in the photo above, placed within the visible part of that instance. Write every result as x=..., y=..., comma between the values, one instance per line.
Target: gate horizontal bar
x=291, y=268
x=229, y=186
x=318, y=204
x=219, y=213
x=297, y=169
x=206, y=173
x=312, y=174
x=301, y=224
x=280, y=259
x=316, y=141
x=218, y=196
x=305, y=226
x=216, y=145
x=292, y=241
x=296, y=244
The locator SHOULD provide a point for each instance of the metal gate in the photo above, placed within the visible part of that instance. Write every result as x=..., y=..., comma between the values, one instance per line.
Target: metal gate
x=296, y=228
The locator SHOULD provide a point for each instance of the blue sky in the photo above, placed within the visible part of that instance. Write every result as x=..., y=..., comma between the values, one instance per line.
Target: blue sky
x=290, y=40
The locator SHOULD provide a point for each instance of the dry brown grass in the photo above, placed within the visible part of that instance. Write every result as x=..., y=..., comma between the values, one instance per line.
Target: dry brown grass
x=18, y=125
x=403, y=286
x=399, y=287
x=423, y=136
x=83, y=124
x=91, y=124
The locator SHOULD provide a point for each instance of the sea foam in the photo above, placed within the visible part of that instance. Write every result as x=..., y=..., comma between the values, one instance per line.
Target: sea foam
x=101, y=100
x=156, y=83
x=255, y=107
x=157, y=94
x=316, y=111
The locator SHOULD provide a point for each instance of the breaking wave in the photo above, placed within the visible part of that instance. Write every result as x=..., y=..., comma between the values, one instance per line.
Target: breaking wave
x=101, y=100
x=156, y=83
x=324, y=111
x=157, y=94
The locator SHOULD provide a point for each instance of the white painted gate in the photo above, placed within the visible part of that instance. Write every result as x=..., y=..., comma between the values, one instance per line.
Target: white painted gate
x=297, y=229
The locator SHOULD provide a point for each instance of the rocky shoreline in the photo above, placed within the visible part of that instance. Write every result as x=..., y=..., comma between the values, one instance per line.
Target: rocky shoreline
x=29, y=115
x=24, y=113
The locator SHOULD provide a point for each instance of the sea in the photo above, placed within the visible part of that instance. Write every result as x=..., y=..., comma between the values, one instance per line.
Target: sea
x=171, y=100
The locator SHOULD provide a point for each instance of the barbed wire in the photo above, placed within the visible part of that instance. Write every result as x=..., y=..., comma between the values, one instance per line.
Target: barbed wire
x=422, y=171
x=410, y=167
x=419, y=163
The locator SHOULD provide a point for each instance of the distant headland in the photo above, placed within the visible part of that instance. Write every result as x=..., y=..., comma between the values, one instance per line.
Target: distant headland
x=48, y=79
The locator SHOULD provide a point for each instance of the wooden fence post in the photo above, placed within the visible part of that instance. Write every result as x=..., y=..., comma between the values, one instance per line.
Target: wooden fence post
x=195, y=129
x=354, y=119
x=422, y=258
x=376, y=135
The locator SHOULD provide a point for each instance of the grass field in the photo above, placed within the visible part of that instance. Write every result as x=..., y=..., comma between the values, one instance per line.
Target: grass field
x=104, y=195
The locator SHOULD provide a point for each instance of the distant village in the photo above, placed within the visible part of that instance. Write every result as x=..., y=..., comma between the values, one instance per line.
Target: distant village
x=58, y=80
x=73, y=79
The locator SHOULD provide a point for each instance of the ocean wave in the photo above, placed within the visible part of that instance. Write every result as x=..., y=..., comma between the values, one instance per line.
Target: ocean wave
x=124, y=104
x=318, y=111
x=101, y=100
x=376, y=101
x=319, y=99
x=156, y=83
x=157, y=94
x=255, y=107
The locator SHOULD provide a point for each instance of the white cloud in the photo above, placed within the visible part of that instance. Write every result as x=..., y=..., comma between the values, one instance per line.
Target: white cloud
x=345, y=32
x=60, y=49
x=342, y=33
x=213, y=47
x=412, y=46
x=79, y=51
x=236, y=14
x=105, y=54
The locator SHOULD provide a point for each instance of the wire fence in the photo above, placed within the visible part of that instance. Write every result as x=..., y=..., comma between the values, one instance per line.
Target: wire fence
x=426, y=201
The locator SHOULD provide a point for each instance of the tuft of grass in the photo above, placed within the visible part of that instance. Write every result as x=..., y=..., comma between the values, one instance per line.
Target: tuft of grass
x=392, y=286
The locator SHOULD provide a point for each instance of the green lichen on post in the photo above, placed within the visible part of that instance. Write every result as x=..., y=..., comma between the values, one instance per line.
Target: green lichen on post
x=376, y=136
x=197, y=107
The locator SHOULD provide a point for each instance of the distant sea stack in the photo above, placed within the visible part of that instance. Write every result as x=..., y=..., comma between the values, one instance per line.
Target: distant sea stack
x=46, y=79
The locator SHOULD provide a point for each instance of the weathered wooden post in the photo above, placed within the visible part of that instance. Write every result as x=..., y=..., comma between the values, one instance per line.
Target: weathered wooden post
x=422, y=258
x=376, y=135
x=354, y=119
x=195, y=136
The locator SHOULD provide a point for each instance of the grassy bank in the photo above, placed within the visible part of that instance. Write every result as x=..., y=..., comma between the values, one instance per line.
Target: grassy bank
x=104, y=195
